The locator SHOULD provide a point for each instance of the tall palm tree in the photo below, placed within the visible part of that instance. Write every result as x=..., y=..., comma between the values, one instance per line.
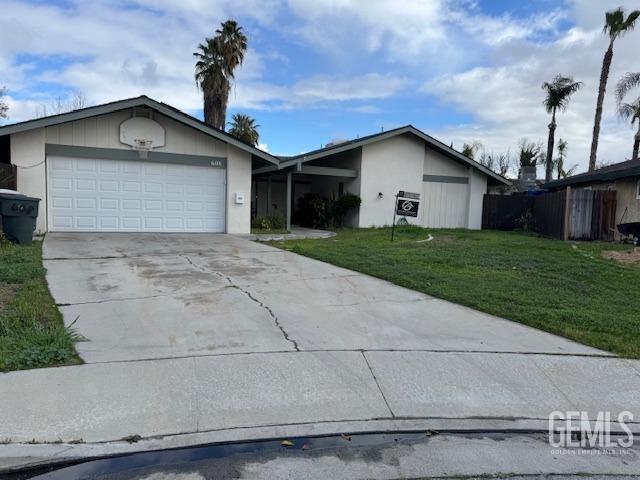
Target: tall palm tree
x=630, y=111
x=216, y=60
x=559, y=90
x=244, y=128
x=615, y=26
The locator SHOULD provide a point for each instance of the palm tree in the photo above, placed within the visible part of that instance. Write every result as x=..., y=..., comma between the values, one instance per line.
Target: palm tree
x=216, y=60
x=630, y=111
x=615, y=26
x=244, y=128
x=563, y=146
x=558, y=93
x=470, y=149
x=4, y=108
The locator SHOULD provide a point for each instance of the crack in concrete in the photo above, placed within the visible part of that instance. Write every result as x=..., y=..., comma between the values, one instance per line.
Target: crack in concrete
x=264, y=306
x=375, y=379
x=112, y=300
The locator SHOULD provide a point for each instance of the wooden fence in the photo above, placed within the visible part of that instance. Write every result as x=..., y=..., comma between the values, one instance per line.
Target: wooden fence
x=567, y=214
x=8, y=177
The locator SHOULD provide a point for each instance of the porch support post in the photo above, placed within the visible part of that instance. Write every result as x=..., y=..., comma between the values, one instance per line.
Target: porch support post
x=289, y=184
x=269, y=201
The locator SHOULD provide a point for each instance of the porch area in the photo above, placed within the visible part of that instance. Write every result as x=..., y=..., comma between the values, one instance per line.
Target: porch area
x=276, y=190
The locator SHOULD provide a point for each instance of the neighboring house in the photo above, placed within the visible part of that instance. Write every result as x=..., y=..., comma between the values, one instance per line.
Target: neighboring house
x=95, y=170
x=138, y=165
x=623, y=178
x=376, y=167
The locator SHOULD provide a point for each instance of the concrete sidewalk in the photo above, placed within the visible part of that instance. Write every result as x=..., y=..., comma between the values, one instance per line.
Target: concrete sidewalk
x=108, y=402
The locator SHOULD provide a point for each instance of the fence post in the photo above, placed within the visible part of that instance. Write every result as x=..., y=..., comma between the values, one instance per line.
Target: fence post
x=567, y=213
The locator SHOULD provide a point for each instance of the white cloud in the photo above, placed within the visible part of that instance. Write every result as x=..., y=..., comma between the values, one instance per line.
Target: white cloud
x=316, y=90
x=366, y=109
x=505, y=99
x=489, y=68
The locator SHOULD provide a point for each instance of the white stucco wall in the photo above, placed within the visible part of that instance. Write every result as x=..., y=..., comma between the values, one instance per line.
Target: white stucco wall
x=399, y=163
x=27, y=153
x=387, y=167
x=28, y=149
x=477, y=189
x=238, y=181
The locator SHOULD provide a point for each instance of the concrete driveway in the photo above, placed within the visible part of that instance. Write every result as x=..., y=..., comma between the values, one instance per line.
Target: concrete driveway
x=150, y=296
x=193, y=338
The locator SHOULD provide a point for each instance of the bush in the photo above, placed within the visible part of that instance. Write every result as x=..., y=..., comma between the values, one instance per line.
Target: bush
x=316, y=211
x=343, y=205
x=269, y=222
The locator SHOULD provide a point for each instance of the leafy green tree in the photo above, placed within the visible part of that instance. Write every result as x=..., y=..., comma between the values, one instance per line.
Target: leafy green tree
x=630, y=111
x=216, y=60
x=615, y=26
x=558, y=93
x=244, y=128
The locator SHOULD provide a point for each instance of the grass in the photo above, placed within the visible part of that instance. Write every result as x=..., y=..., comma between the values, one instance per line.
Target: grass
x=565, y=288
x=32, y=333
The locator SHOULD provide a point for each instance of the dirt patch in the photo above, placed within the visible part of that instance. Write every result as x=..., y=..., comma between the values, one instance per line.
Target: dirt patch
x=7, y=292
x=628, y=257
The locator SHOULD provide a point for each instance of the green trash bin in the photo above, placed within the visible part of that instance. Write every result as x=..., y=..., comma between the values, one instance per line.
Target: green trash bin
x=19, y=214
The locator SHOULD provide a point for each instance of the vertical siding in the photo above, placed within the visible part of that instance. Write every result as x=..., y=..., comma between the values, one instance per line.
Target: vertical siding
x=104, y=132
x=444, y=205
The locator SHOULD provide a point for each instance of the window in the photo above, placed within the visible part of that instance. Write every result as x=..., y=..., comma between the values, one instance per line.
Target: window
x=340, y=189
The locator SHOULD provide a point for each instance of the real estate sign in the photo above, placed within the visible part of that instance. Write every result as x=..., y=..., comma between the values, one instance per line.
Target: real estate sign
x=407, y=204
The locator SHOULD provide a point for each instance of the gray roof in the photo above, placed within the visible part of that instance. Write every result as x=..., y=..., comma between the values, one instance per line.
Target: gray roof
x=630, y=168
x=407, y=129
x=141, y=101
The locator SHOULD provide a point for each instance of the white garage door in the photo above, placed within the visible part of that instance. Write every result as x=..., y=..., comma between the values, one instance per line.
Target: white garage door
x=90, y=195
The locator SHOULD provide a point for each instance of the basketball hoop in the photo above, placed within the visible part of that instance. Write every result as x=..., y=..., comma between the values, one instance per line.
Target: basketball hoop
x=142, y=145
x=142, y=134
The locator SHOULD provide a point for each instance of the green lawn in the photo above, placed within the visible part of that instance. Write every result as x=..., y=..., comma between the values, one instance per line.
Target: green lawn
x=32, y=333
x=565, y=288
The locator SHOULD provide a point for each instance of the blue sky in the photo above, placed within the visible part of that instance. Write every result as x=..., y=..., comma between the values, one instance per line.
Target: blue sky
x=461, y=70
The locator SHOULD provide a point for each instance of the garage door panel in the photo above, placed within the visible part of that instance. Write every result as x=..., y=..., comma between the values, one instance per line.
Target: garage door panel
x=113, y=195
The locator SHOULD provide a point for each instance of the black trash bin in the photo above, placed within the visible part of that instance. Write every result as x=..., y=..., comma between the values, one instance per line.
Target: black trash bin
x=19, y=214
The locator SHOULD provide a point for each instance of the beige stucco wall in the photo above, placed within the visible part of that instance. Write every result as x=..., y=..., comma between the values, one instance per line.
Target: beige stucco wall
x=238, y=181
x=627, y=199
x=27, y=153
x=28, y=149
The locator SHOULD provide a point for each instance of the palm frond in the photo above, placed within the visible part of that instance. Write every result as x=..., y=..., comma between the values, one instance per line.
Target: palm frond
x=628, y=81
x=559, y=90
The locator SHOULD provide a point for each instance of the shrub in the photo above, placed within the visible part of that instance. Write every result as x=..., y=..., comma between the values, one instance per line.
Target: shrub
x=343, y=205
x=269, y=222
x=316, y=211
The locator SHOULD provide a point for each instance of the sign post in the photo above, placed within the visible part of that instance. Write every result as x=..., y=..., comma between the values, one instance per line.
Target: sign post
x=406, y=205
